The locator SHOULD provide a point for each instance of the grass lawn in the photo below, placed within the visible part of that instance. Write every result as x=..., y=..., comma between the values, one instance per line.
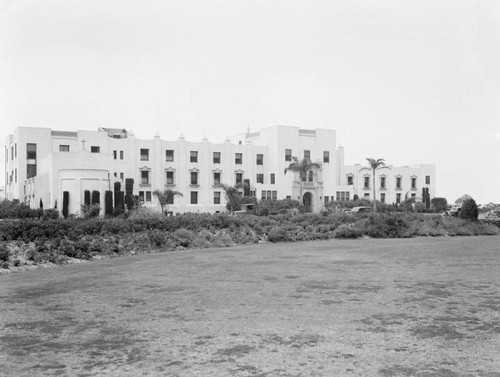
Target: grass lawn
x=401, y=307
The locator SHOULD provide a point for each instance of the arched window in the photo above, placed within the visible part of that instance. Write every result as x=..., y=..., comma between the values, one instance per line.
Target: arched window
x=310, y=176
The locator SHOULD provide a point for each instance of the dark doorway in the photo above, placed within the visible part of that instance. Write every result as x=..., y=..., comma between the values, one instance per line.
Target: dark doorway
x=307, y=201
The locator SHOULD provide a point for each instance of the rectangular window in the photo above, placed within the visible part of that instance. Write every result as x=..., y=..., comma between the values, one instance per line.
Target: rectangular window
x=12, y=152
x=31, y=151
x=263, y=195
x=31, y=170
x=326, y=156
x=144, y=154
x=216, y=179
x=15, y=175
x=342, y=195
x=367, y=195
x=427, y=179
x=169, y=155
x=260, y=178
x=194, y=178
x=216, y=157
x=170, y=177
x=141, y=196
x=115, y=154
x=260, y=159
x=307, y=154
x=413, y=195
x=115, y=174
x=268, y=195
x=398, y=198
x=347, y=196
x=193, y=156
x=144, y=177
x=288, y=155
x=63, y=148
x=121, y=155
x=216, y=197
x=367, y=182
x=194, y=197
x=414, y=183
x=338, y=196
x=95, y=149
x=239, y=178
x=238, y=158
x=273, y=178
x=327, y=200
x=382, y=197
x=275, y=195
x=398, y=182
x=122, y=176
x=148, y=196
x=15, y=150
x=289, y=197
x=350, y=180
x=382, y=182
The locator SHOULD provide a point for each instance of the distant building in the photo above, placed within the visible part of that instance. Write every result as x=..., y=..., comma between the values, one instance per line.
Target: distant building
x=41, y=163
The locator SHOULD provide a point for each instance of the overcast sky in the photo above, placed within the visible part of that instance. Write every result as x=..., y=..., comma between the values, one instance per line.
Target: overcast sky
x=408, y=81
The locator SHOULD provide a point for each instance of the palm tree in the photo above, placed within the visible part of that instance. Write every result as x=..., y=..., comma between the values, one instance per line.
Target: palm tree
x=166, y=197
x=232, y=195
x=374, y=166
x=302, y=167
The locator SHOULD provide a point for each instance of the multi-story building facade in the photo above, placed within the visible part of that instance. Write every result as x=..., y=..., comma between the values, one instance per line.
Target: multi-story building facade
x=41, y=164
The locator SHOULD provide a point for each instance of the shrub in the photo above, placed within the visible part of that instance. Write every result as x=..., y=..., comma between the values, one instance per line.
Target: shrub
x=4, y=253
x=65, y=204
x=346, y=231
x=108, y=203
x=50, y=214
x=469, y=210
x=439, y=204
x=129, y=193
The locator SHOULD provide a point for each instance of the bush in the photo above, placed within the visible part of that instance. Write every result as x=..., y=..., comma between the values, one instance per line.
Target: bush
x=346, y=231
x=108, y=203
x=469, y=210
x=65, y=204
x=4, y=253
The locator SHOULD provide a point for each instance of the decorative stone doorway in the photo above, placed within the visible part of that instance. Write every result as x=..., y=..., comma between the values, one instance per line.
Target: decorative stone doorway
x=307, y=200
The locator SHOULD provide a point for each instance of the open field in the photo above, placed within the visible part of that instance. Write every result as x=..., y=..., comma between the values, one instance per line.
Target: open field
x=398, y=307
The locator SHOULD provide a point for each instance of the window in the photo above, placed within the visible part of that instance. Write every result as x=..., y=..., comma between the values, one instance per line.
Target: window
x=347, y=196
x=398, y=198
x=350, y=180
x=194, y=178
x=216, y=178
x=170, y=177
x=141, y=196
x=31, y=151
x=144, y=177
x=310, y=176
x=216, y=197
x=30, y=170
x=194, y=197
x=367, y=183
x=289, y=197
x=121, y=155
x=148, y=196
x=12, y=152
x=169, y=155
x=273, y=178
x=260, y=178
x=398, y=182
x=63, y=148
x=260, y=159
x=307, y=154
x=288, y=155
x=239, y=178
x=115, y=174
x=144, y=154
x=114, y=153
x=338, y=196
x=342, y=195
x=263, y=195
x=15, y=150
x=427, y=179
x=170, y=199
x=193, y=156
x=326, y=200
x=414, y=183
x=95, y=149
x=238, y=158
x=326, y=156
x=216, y=157
x=382, y=182
x=382, y=197
x=15, y=175
x=413, y=195
x=275, y=195
x=367, y=195
x=122, y=176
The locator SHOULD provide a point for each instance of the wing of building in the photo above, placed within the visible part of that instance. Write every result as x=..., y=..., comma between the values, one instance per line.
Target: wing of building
x=42, y=164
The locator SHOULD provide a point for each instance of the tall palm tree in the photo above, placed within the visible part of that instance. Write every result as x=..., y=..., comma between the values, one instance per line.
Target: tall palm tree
x=302, y=167
x=232, y=195
x=166, y=197
x=374, y=165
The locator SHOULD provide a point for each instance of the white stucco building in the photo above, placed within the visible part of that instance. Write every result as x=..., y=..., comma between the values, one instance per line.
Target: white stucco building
x=41, y=163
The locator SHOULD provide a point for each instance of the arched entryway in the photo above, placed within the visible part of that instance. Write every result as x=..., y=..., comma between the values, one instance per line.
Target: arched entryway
x=307, y=200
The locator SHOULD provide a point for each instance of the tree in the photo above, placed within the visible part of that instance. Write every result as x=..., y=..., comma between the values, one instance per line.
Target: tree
x=469, y=210
x=129, y=193
x=462, y=199
x=375, y=165
x=108, y=203
x=302, y=167
x=65, y=204
x=233, y=196
x=166, y=197
x=439, y=204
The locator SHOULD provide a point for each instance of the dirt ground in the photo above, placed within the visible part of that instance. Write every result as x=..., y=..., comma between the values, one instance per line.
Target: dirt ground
x=414, y=307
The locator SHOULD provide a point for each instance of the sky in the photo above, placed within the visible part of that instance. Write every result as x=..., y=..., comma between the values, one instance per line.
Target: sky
x=408, y=81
